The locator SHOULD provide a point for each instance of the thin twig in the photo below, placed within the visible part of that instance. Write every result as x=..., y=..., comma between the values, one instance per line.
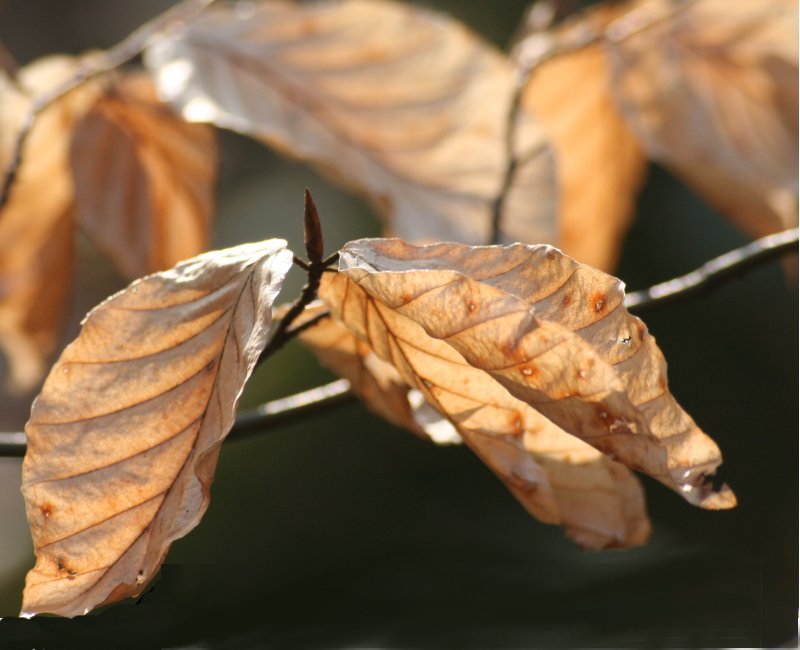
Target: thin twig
x=311, y=322
x=315, y=267
x=732, y=264
x=531, y=58
x=12, y=445
x=298, y=261
x=535, y=50
x=290, y=409
x=266, y=417
x=95, y=65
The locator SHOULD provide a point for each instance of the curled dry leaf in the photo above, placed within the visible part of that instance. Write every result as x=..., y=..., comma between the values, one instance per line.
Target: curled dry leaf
x=399, y=103
x=558, y=478
x=553, y=333
x=711, y=92
x=36, y=245
x=374, y=381
x=599, y=163
x=144, y=179
x=124, y=438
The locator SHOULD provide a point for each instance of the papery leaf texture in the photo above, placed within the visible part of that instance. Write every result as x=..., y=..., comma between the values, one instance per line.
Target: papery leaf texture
x=36, y=224
x=399, y=103
x=144, y=178
x=375, y=382
x=600, y=165
x=710, y=89
x=124, y=438
x=551, y=332
x=558, y=478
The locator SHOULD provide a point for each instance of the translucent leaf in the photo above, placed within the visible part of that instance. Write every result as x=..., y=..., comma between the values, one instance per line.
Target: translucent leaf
x=124, y=438
x=399, y=103
x=599, y=163
x=558, y=478
x=711, y=91
x=144, y=179
x=36, y=227
x=375, y=382
x=553, y=333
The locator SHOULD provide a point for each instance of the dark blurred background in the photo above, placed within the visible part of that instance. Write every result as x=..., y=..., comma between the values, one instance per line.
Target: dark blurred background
x=341, y=531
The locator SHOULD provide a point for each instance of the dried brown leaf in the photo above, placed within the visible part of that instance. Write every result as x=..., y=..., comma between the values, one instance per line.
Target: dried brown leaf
x=36, y=227
x=144, y=179
x=124, y=438
x=599, y=163
x=399, y=103
x=553, y=333
x=558, y=478
x=374, y=381
x=711, y=91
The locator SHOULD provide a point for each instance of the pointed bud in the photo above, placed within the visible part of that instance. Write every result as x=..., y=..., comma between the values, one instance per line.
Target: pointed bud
x=312, y=231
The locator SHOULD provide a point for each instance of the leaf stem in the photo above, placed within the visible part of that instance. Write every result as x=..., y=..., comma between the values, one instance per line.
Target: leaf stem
x=545, y=48
x=94, y=65
x=265, y=417
x=714, y=272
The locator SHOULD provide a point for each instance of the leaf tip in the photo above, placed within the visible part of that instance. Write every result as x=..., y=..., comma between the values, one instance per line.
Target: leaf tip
x=722, y=499
x=709, y=497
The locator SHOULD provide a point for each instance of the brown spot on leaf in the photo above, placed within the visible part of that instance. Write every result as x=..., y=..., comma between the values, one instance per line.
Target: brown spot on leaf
x=405, y=297
x=511, y=349
x=516, y=423
x=567, y=300
x=598, y=302
x=529, y=370
x=62, y=566
x=174, y=310
x=471, y=306
x=605, y=417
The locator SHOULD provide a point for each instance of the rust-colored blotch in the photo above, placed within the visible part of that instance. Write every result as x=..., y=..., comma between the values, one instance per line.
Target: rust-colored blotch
x=598, y=302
